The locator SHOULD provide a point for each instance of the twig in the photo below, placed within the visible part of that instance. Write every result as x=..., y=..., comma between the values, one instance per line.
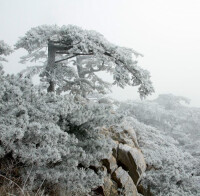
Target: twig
x=40, y=187
x=27, y=178
x=14, y=183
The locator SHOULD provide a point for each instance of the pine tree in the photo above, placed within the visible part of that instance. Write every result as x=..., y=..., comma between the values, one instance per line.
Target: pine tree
x=72, y=57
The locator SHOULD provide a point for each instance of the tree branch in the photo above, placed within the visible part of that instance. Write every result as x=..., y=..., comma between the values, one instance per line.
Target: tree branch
x=65, y=59
x=77, y=81
x=130, y=69
x=62, y=52
x=74, y=55
x=94, y=70
x=79, y=54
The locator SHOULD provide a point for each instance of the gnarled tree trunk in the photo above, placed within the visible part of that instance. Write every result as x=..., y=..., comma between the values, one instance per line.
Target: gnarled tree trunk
x=51, y=66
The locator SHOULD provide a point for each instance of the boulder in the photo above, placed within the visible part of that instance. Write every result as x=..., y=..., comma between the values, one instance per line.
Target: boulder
x=110, y=164
x=126, y=165
x=122, y=135
x=132, y=160
x=132, y=135
x=144, y=191
x=124, y=182
x=110, y=187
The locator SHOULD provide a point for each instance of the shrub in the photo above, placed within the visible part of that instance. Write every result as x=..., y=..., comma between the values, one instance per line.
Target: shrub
x=55, y=137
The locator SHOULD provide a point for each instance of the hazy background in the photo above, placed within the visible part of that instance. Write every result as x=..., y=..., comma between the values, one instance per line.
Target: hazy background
x=167, y=32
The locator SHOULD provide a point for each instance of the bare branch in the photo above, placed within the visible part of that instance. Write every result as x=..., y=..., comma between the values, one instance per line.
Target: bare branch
x=65, y=59
x=62, y=52
x=74, y=55
x=22, y=191
x=79, y=54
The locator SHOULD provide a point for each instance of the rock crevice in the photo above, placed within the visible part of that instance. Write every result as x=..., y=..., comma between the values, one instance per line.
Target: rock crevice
x=126, y=166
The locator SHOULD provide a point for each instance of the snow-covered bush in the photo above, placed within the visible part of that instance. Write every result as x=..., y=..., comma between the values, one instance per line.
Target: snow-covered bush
x=55, y=137
x=168, y=134
x=170, y=171
x=5, y=50
x=167, y=114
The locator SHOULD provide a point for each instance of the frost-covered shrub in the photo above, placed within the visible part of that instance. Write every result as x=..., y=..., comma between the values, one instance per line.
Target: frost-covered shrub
x=5, y=50
x=56, y=138
x=167, y=114
x=166, y=118
x=170, y=171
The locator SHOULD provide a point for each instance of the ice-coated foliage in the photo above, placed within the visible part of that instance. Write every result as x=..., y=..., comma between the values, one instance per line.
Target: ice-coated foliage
x=55, y=137
x=168, y=134
x=170, y=171
x=167, y=114
x=75, y=56
x=5, y=50
x=170, y=101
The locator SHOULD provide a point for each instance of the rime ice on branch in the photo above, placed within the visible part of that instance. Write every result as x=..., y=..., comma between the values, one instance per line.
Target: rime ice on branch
x=5, y=50
x=72, y=57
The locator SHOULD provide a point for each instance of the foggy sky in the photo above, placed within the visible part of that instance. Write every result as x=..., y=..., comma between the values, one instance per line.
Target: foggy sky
x=167, y=32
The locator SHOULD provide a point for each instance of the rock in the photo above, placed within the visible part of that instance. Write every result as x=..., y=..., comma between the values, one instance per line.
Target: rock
x=127, y=164
x=110, y=164
x=132, y=135
x=121, y=135
x=110, y=187
x=143, y=191
x=124, y=181
x=132, y=160
x=114, y=151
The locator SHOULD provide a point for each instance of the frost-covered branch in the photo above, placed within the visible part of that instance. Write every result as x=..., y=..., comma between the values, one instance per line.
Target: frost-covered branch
x=5, y=50
x=74, y=41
